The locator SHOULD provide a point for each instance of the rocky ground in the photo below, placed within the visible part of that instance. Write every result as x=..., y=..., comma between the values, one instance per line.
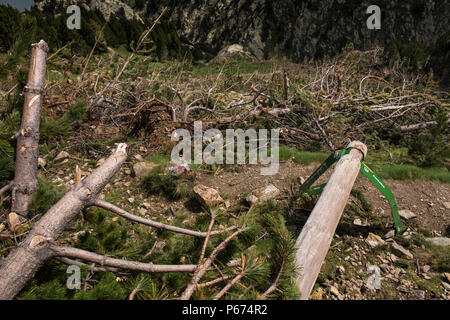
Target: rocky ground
x=409, y=265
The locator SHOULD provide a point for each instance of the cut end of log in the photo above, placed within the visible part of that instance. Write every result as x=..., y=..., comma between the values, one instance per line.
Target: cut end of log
x=37, y=241
x=41, y=45
x=358, y=145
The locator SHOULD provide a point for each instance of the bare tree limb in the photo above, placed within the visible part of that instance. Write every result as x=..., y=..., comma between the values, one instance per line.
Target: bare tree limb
x=229, y=285
x=201, y=269
x=114, y=209
x=5, y=188
x=274, y=285
x=324, y=135
x=414, y=127
x=81, y=264
x=205, y=243
x=103, y=260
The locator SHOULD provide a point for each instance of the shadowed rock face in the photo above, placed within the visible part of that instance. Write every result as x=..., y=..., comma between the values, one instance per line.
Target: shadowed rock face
x=309, y=28
x=297, y=29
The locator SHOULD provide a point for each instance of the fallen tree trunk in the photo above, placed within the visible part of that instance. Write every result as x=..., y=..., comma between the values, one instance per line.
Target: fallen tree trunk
x=418, y=126
x=39, y=246
x=25, y=180
x=23, y=262
x=315, y=238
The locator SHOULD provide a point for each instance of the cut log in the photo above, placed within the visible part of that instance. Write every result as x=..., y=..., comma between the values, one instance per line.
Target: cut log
x=315, y=238
x=27, y=152
x=23, y=262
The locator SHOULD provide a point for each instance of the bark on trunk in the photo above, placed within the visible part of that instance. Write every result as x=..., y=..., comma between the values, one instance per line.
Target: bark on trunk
x=23, y=262
x=27, y=152
x=315, y=238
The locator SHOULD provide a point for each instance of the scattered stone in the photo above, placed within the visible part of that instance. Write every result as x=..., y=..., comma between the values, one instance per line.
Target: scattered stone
x=374, y=241
x=439, y=241
x=406, y=214
x=63, y=155
x=401, y=251
x=232, y=50
x=127, y=172
x=2, y=227
x=263, y=194
x=139, y=158
x=147, y=205
x=227, y=204
x=317, y=294
x=426, y=268
x=13, y=221
x=143, y=211
x=141, y=169
x=207, y=196
x=41, y=162
x=341, y=269
x=447, y=275
x=115, y=219
x=447, y=205
x=390, y=234
x=384, y=267
x=334, y=291
x=358, y=222
x=251, y=198
x=418, y=294
x=130, y=200
x=446, y=285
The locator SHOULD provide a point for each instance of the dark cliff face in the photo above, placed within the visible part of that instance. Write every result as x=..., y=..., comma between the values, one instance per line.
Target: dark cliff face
x=300, y=29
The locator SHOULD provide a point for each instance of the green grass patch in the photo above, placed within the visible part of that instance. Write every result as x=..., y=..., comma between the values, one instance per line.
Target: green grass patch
x=157, y=182
x=410, y=172
x=304, y=157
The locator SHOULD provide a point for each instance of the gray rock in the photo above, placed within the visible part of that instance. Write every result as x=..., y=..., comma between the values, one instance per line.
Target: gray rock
x=232, y=50
x=374, y=240
x=407, y=214
x=418, y=294
x=207, y=196
x=141, y=169
x=439, y=241
x=401, y=251
x=446, y=285
x=334, y=291
x=358, y=222
x=263, y=194
x=390, y=234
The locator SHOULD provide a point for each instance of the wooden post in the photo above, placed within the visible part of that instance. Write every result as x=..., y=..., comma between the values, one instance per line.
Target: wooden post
x=315, y=238
x=27, y=151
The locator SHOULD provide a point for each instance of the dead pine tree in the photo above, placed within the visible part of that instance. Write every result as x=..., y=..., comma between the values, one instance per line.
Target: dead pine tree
x=25, y=180
x=41, y=245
